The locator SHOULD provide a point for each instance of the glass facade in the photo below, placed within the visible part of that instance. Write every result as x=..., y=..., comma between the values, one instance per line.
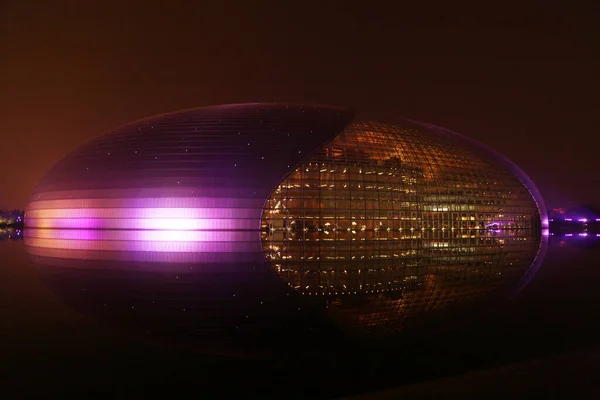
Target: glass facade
x=377, y=227
x=391, y=222
x=206, y=170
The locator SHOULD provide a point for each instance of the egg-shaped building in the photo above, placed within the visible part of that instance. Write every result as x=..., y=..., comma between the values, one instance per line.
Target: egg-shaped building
x=379, y=226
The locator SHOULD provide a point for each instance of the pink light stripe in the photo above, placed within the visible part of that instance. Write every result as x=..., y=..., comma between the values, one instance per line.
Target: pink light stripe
x=130, y=260
x=148, y=202
x=147, y=246
x=141, y=235
x=145, y=223
x=143, y=213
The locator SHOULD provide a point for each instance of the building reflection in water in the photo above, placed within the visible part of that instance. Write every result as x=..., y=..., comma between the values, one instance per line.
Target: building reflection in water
x=158, y=285
x=576, y=239
x=11, y=234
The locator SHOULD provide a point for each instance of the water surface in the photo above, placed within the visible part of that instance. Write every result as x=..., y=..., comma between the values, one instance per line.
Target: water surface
x=51, y=348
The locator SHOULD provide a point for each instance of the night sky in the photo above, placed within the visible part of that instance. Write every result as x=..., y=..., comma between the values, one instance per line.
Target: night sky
x=522, y=79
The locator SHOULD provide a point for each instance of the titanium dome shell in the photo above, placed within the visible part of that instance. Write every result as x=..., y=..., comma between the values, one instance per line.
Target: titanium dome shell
x=383, y=227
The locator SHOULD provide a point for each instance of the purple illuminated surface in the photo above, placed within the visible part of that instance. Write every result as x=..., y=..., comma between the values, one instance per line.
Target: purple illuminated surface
x=165, y=192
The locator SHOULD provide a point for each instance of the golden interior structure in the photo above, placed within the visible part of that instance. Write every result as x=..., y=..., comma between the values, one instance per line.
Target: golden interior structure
x=404, y=221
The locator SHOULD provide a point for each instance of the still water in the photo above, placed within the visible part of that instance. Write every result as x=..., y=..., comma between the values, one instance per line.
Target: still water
x=50, y=346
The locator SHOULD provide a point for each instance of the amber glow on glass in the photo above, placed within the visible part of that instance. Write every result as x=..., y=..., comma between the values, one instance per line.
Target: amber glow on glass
x=382, y=224
x=416, y=220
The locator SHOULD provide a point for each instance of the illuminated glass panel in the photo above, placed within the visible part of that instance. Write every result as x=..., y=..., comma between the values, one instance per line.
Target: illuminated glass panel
x=390, y=222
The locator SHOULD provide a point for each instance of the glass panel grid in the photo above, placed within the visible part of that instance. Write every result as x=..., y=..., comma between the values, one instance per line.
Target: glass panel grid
x=387, y=223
